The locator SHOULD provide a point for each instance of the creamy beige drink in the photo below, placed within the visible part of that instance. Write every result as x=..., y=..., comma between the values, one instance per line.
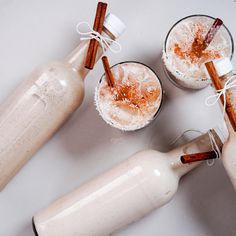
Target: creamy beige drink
x=42, y=103
x=135, y=99
x=34, y=112
x=126, y=193
x=182, y=64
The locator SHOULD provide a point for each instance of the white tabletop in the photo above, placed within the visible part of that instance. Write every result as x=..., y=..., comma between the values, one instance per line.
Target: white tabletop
x=35, y=32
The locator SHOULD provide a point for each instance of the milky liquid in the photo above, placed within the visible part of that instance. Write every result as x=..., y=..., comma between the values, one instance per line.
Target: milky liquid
x=187, y=72
x=111, y=201
x=34, y=112
x=142, y=100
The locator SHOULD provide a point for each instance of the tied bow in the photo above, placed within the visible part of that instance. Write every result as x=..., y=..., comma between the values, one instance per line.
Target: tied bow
x=213, y=99
x=91, y=34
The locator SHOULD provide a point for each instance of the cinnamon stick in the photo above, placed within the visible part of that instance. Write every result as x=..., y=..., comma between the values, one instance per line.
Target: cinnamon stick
x=212, y=32
x=218, y=84
x=93, y=44
x=199, y=47
x=109, y=76
x=189, y=158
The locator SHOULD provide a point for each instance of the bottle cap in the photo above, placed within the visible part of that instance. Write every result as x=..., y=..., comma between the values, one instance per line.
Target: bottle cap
x=114, y=25
x=223, y=66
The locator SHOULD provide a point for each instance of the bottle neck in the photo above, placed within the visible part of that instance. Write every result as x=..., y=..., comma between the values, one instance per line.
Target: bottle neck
x=77, y=57
x=200, y=144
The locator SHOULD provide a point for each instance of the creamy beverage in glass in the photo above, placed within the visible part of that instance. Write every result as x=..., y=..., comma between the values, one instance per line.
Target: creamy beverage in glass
x=124, y=194
x=135, y=99
x=42, y=103
x=181, y=64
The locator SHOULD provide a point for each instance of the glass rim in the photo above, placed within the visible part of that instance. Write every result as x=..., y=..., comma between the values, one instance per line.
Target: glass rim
x=196, y=15
x=157, y=77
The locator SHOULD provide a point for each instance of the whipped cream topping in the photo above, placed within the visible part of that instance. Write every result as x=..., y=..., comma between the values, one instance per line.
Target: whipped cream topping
x=134, y=100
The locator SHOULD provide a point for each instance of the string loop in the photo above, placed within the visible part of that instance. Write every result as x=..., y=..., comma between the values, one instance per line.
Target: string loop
x=215, y=148
x=213, y=99
x=104, y=41
x=182, y=135
x=213, y=142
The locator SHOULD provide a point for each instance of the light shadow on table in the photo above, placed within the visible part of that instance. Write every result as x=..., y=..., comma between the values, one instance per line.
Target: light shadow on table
x=27, y=230
x=164, y=129
x=212, y=200
x=87, y=131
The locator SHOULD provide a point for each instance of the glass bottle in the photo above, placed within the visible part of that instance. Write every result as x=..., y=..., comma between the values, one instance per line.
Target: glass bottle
x=124, y=194
x=224, y=69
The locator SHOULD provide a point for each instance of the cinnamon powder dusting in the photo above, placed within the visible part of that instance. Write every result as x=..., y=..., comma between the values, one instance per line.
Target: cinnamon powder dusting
x=195, y=52
x=134, y=96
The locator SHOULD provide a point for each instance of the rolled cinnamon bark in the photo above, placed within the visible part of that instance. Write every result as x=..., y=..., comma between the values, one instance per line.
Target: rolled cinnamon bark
x=98, y=26
x=189, y=158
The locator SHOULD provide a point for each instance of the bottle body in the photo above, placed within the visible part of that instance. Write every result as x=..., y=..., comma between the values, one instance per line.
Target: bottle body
x=145, y=181
x=117, y=198
x=39, y=106
x=34, y=111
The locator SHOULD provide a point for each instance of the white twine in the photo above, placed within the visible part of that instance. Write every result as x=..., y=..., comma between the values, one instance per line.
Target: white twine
x=91, y=34
x=215, y=148
x=214, y=145
x=182, y=135
x=213, y=99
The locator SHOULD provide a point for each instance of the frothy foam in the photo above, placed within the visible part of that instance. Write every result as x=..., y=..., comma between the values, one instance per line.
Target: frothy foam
x=134, y=100
x=186, y=69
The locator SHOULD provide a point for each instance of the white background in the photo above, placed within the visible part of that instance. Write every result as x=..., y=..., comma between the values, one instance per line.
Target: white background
x=35, y=32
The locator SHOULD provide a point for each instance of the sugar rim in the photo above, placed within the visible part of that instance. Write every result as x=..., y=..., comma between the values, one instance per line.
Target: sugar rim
x=149, y=121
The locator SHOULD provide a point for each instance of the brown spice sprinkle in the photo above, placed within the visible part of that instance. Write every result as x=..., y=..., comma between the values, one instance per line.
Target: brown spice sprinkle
x=133, y=97
x=195, y=53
